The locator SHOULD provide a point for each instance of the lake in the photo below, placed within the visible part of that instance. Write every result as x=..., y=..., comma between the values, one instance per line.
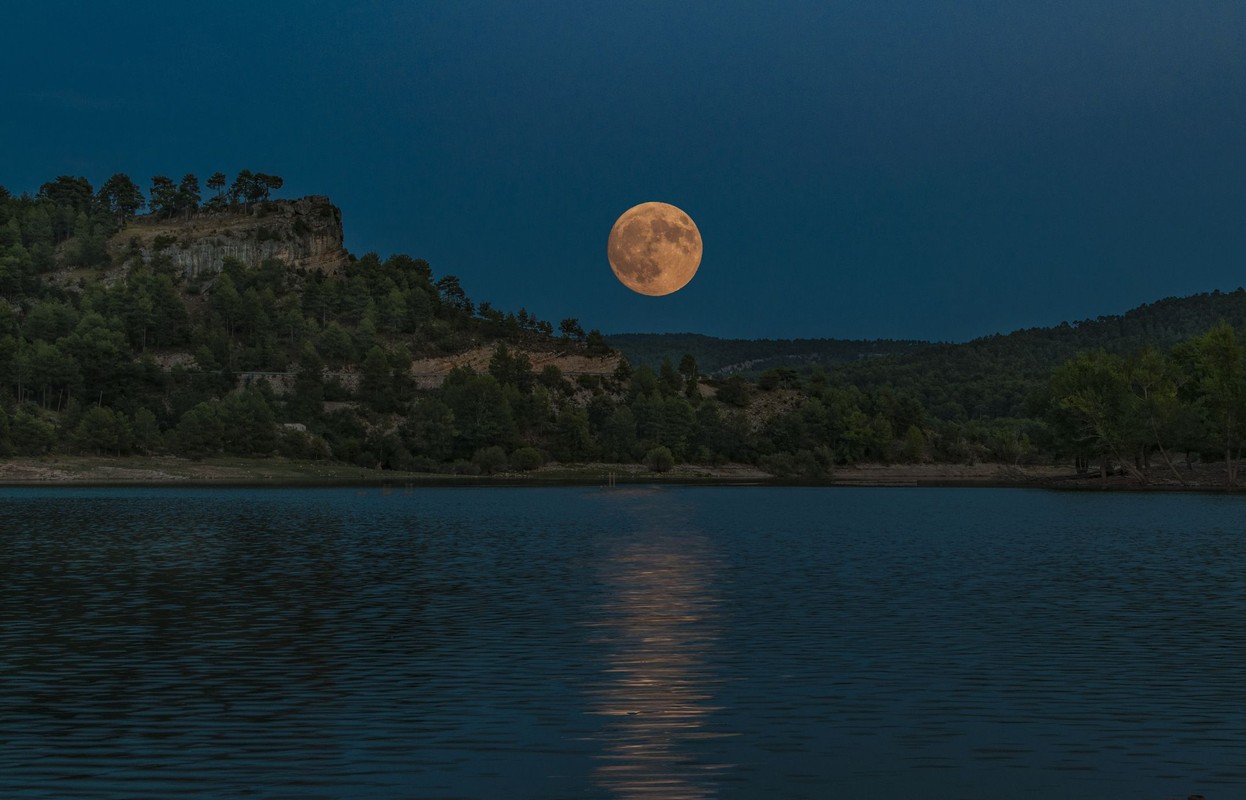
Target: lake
x=638, y=642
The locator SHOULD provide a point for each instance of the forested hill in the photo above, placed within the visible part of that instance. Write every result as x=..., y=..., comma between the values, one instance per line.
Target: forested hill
x=995, y=376
x=751, y=357
x=239, y=324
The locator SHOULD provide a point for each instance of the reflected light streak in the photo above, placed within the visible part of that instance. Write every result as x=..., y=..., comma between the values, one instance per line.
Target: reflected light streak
x=660, y=623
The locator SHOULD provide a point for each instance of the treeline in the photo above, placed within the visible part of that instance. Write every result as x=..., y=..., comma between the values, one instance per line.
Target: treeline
x=987, y=378
x=996, y=376
x=68, y=222
x=1152, y=409
x=183, y=198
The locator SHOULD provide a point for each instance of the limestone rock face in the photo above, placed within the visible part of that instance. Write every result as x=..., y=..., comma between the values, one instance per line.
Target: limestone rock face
x=302, y=233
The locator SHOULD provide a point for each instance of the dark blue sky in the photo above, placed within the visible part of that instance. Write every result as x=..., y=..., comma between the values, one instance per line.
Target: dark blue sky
x=871, y=168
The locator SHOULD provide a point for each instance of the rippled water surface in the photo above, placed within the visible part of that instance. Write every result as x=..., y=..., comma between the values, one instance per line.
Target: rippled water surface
x=628, y=643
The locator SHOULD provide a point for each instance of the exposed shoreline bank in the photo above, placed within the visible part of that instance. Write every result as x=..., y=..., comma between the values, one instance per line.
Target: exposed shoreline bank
x=171, y=471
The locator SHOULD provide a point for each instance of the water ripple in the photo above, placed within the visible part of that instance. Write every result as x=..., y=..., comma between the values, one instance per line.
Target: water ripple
x=577, y=643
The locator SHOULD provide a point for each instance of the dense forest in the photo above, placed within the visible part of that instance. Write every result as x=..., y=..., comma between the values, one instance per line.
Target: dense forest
x=107, y=347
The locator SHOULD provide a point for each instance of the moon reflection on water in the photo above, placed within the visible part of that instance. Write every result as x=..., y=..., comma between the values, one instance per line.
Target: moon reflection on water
x=660, y=624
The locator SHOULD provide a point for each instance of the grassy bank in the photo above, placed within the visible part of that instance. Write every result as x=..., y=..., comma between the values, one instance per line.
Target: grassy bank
x=66, y=470
x=172, y=470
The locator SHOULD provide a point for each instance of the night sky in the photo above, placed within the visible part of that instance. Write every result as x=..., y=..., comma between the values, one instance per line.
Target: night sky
x=872, y=168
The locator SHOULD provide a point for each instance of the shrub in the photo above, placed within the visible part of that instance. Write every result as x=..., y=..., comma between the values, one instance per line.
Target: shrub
x=807, y=465
x=659, y=459
x=914, y=450
x=462, y=466
x=778, y=378
x=199, y=432
x=31, y=436
x=733, y=391
x=490, y=460
x=102, y=431
x=527, y=459
x=426, y=464
x=146, y=431
x=301, y=445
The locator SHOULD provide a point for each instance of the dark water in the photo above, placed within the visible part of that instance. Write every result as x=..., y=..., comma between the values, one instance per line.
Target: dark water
x=583, y=643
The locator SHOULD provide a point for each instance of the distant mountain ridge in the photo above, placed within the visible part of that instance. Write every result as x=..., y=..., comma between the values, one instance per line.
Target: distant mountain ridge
x=992, y=376
x=721, y=357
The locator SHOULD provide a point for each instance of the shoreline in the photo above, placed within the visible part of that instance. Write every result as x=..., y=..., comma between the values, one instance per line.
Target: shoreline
x=60, y=471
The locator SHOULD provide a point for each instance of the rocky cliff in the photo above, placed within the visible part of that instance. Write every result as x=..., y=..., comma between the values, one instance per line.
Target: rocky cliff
x=302, y=233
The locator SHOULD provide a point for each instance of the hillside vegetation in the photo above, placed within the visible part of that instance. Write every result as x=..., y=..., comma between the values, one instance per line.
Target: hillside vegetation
x=750, y=357
x=239, y=326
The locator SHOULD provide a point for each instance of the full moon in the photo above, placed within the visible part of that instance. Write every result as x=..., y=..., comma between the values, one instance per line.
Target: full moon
x=654, y=249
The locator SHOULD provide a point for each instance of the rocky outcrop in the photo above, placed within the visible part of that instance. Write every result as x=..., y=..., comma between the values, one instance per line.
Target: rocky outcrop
x=429, y=373
x=302, y=233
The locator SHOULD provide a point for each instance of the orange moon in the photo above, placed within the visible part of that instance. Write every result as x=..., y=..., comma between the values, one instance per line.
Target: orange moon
x=654, y=249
